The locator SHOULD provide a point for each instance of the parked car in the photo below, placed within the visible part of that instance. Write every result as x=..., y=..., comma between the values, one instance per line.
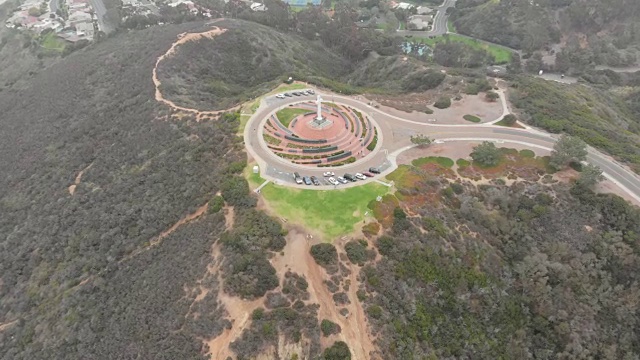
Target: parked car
x=305, y=92
x=329, y=173
x=287, y=94
x=349, y=177
x=297, y=93
x=315, y=181
x=360, y=176
x=342, y=180
x=374, y=170
x=333, y=181
x=307, y=180
x=367, y=174
x=280, y=96
x=310, y=91
x=297, y=178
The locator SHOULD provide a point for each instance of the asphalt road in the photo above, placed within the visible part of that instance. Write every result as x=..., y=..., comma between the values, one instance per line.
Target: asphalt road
x=53, y=5
x=394, y=138
x=101, y=11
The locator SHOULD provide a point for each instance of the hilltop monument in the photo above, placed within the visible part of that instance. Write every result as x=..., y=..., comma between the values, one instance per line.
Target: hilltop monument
x=319, y=121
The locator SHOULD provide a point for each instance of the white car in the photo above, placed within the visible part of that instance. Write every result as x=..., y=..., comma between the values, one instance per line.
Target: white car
x=342, y=180
x=329, y=173
x=333, y=181
x=280, y=96
x=360, y=176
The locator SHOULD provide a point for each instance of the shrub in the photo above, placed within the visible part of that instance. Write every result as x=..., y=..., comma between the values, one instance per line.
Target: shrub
x=338, y=351
x=356, y=252
x=216, y=204
x=486, y=154
x=472, y=118
x=509, y=120
x=371, y=229
x=324, y=254
x=492, y=96
x=328, y=327
x=443, y=102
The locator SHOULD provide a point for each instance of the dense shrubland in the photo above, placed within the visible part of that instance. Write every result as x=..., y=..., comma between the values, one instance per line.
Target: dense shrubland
x=500, y=271
x=74, y=274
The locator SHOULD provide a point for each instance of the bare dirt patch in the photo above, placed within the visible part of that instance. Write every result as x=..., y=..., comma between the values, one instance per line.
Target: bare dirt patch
x=297, y=258
x=72, y=188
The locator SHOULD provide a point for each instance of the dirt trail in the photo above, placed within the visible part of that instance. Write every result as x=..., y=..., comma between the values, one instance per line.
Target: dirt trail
x=183, y=38
x=239, y=312
x=5, y=326
x=297, y=258
x=201, y=210
x=72, y=188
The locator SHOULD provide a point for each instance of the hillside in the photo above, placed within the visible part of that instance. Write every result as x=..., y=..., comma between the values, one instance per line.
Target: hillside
x=78, y=277
x=580, y=32
x=244, y=62
x=598, y=116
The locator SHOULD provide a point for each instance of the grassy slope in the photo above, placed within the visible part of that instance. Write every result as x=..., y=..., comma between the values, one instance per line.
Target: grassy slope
x=332, y=213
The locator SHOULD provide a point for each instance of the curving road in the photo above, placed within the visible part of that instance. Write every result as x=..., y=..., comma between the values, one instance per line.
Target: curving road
x=394, y=138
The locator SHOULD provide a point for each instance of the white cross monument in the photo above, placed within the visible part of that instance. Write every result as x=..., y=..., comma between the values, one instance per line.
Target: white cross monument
x=320, y=121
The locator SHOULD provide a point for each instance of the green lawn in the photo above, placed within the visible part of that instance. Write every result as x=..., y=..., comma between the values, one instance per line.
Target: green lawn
x=332, y=212
x=51, y=42
x=287, y=114
x=472, y=118
x=500, y=55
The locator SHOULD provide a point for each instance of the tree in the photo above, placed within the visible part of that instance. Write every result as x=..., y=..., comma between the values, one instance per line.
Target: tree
x=492, y=96
x=486, y=154
x=338, y=351
x=509, y=119
x=443, y=102
x=420, y=140
x=566, y=150
x=590, y=176
x=34, y=11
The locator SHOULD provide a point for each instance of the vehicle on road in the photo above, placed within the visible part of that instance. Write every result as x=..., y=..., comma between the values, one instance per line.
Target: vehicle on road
x=315, y=181
x=342, y=180
x=350, y=177
x=360, y=176
x=333, y=181
x=297, y=178
x=329, y=173
x=374, y=170
x=307, y=180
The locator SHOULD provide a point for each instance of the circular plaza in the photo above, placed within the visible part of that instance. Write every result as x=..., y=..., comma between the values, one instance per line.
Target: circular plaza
x=321, y=134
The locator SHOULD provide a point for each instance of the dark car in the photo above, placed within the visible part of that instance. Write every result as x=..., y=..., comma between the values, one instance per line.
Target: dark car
x=350, y=177
x=307, y=180
x=315, y=181
x=374, y=170
x=287, y=94
x=297, y=93
x=367, y=174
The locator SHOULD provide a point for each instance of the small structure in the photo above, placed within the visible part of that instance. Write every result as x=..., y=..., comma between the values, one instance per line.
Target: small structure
x=420, y=22
x=256, y=6
x=256, y=169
